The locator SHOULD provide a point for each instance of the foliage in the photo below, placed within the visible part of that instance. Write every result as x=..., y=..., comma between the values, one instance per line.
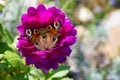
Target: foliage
x=12, y=65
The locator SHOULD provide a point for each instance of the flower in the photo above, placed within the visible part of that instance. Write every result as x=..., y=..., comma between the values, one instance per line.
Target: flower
x=41, y=17
x=114, y=3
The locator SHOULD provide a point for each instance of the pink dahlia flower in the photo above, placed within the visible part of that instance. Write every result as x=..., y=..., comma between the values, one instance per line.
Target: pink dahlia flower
x=39, y=19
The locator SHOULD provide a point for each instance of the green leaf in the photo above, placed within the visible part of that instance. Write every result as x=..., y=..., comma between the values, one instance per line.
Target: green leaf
x=27, y=69
x=37, y=73
x=8, y=36
x=66, y=79
x=0, y=38
x=14, y=59
x=1, y=56
x=3, y=65
x=4, y=47
x=60, y=72
x=1, y=7
x=3, y=74
x=20, y=76
x=67, y=5
x=1, y=32
x=1, y=28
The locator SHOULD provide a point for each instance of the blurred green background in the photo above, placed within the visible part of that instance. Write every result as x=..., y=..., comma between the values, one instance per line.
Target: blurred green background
x=95, y=56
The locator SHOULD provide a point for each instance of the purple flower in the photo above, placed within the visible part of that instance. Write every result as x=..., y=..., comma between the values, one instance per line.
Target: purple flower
x=115, y=3
x=112, y=2
x=40, y=18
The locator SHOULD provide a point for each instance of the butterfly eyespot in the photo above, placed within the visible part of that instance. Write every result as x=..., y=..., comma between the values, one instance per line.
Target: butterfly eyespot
x=49, y=27
x=57, y=24
x=53, y=39
x=35, y=30
x=28, y=32
x=36, y=43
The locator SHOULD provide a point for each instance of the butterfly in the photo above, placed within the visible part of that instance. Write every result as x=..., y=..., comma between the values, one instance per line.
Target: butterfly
x=44, y=38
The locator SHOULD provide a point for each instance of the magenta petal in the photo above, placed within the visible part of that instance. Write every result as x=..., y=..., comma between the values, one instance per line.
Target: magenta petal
x=41, y=54
x=65, y=51
x=45, y=69
x=29, y=61
x=53, y=9
x=46, y=18
x=41, y=8
x=61, y=59
x=31, y=11
x=20, y=28
x=54, y=65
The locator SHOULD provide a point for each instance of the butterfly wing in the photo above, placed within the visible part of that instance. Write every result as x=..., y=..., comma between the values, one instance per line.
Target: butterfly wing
x=44, y=38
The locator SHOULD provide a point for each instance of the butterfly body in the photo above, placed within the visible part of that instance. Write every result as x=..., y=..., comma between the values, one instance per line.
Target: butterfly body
x=44, y=38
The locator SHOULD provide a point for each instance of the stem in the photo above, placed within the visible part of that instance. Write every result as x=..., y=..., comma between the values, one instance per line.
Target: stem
x=105, y=72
